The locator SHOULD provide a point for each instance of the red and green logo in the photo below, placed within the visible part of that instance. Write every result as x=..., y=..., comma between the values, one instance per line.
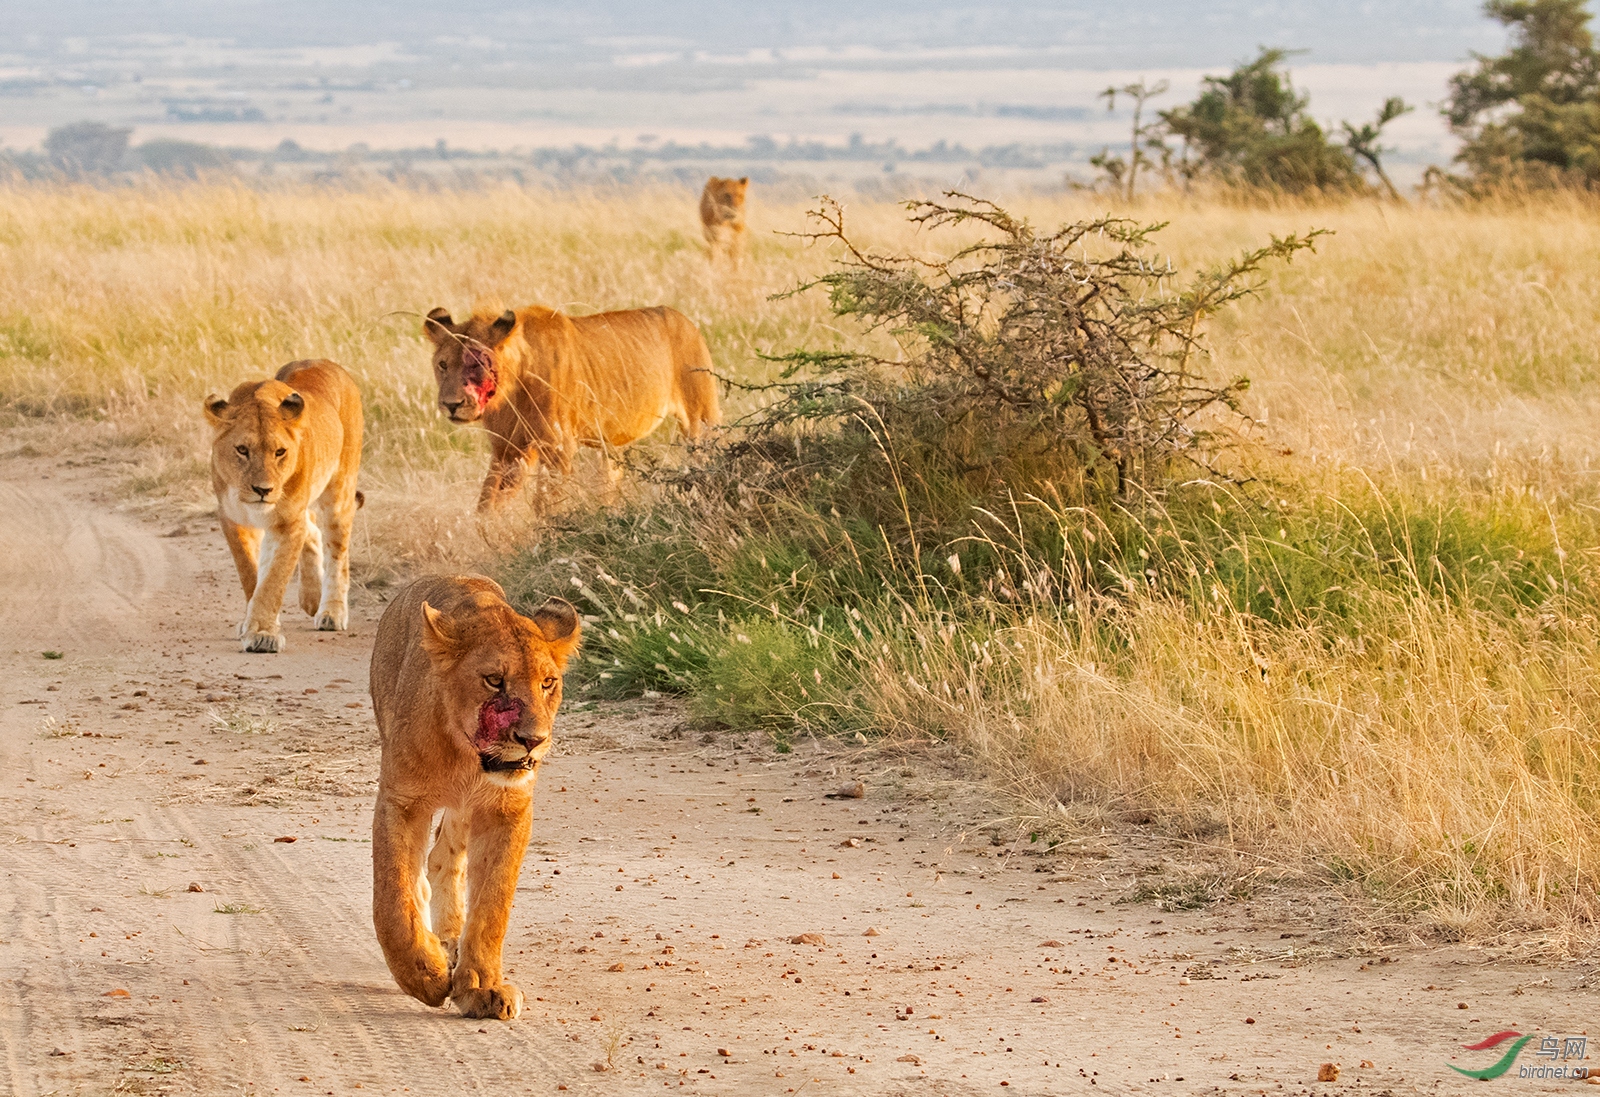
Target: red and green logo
x=1506, y=1060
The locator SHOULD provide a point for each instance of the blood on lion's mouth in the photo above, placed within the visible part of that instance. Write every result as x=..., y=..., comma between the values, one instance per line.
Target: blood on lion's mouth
x=497, y=749
x=478, y=377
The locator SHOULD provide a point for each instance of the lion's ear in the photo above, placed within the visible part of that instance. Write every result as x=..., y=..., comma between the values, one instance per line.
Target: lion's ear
x=502, y=327
x=744, y=180
x=437, y=637
x=558, y=623
x=215, y=407
x=292, y=407
x=437, y=326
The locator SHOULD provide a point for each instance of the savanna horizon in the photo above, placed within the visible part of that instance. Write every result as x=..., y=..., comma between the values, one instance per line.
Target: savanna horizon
x=1372, y=660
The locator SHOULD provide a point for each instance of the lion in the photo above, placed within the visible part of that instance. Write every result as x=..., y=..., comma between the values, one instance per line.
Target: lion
x=465, y=692
x=543, y=383
x=284, y=460
x=722, y=216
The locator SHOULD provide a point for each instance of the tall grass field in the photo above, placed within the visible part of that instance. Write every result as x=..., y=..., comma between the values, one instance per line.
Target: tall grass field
x=1361, y=644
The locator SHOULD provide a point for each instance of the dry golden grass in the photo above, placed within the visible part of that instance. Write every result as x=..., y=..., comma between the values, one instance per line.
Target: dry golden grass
x=123, y=308
x=1450, y=765
x=1443, y=360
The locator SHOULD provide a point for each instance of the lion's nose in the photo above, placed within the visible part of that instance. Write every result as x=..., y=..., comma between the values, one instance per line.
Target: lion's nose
x=529, y=737
x=451, y=408
x=261, y=492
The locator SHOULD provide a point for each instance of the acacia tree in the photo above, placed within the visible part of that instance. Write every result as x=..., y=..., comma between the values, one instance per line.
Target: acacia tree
x=1250, y=128
x=1253, y=127
x=1533, y=113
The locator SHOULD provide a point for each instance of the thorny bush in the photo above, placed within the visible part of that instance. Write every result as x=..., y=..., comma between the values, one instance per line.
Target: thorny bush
x=1022, y=353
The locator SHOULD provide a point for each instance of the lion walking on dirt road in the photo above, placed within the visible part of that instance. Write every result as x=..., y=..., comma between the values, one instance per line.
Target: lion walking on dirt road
x=465, y=692
x=284, y=459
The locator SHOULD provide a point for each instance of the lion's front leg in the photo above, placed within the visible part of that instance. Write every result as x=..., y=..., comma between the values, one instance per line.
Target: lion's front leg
x=280, y=554
x=447, y=871
x=503, y=481
x=497, y=840
x=509, y=458
x=412, y=951
x=244, y=542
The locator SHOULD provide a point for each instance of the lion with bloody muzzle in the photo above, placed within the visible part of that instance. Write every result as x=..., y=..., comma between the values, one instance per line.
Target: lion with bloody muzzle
x=465, y=691
x=543, y=383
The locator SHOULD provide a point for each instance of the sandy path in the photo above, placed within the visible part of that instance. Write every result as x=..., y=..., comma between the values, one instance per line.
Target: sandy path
x=652, y=932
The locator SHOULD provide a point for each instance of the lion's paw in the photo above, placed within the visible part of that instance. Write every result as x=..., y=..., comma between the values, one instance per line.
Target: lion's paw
x=332, y=620
x=501, y=1003
x=268, y=642
x=428, y=979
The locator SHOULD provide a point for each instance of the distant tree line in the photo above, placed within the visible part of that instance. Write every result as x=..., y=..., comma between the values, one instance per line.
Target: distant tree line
x=87, y=150
x=93, y=149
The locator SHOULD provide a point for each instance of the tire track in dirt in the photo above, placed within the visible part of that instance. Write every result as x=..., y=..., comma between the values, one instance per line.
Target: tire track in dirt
x=78, y=576
x=70, y=572
x=260, y=997
x=654, y=926
x=302, y=974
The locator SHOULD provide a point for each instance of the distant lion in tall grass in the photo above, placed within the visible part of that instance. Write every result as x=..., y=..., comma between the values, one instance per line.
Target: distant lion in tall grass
x=722, y=216
x=543, y=383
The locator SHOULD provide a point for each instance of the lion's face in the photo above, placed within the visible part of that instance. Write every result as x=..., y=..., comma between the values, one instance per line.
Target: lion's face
x=727, y=196
x=465, y=363
x=256, y=447
x=500, y=673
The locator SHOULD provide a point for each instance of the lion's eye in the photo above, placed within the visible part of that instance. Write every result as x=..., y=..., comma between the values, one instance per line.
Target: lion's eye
x=494, y=682
x=280, y=453
x=242, y=451
x=549, y=683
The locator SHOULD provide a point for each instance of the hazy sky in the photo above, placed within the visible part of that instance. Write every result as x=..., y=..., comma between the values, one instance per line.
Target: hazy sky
x=491, y=74
x=1166, y=33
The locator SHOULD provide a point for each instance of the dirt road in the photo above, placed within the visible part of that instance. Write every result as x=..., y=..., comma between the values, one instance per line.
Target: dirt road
x=185, y=857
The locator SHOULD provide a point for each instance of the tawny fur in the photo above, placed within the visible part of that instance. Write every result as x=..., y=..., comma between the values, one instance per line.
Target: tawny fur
x=284, y=460
x=722, y=216
x=445, y=647
x=560, y=382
